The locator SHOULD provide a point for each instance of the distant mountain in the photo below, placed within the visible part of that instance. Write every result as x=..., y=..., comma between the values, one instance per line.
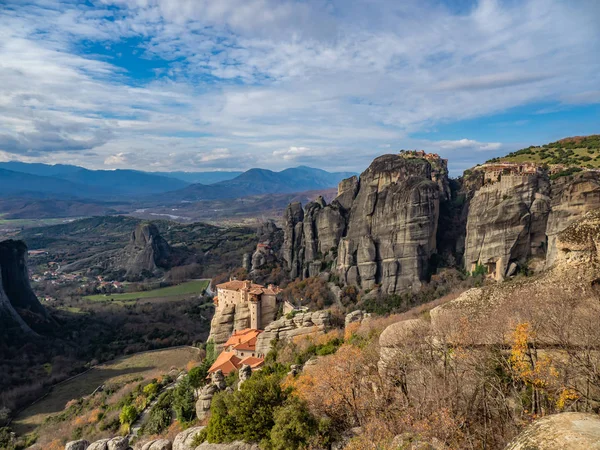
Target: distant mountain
x=25, y=184
x=259, y=181
x=200, y=177
x=45, y=170
x=72, y=182
x=129, y=182
x=68, y=182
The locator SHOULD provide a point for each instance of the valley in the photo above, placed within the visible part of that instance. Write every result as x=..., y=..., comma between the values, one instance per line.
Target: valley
x=401, y=260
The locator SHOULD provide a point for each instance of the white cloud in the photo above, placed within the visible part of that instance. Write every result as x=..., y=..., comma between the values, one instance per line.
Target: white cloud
x=116, y=160
x=468, y=143
x=266, y=82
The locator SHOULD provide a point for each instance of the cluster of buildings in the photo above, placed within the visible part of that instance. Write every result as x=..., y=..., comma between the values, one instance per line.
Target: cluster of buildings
x=240, y=348
x=494, y=171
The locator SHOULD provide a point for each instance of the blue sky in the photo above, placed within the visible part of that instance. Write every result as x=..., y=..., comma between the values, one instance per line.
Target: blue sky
x=232, y=84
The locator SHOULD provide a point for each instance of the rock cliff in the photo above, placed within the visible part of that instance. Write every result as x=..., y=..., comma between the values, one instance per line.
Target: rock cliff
x=379, y=230
x=302, y=324
x=513, y=220
x=147, y=251
x=17, y=300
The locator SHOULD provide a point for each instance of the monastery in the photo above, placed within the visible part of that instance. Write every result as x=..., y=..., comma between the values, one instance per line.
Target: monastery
x=240, y=348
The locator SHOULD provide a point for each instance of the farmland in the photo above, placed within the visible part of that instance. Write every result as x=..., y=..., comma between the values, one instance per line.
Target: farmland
x=188, y=288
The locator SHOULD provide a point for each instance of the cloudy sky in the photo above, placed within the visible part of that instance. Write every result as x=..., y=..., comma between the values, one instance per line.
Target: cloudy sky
x=232, y=84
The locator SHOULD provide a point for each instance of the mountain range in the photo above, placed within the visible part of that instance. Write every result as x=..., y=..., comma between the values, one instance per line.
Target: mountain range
x=68, y=182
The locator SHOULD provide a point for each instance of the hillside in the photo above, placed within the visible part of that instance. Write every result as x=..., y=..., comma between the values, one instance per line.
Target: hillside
x=578, y=151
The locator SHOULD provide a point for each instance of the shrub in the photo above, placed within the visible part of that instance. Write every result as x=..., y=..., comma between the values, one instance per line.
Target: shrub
x=128, y=415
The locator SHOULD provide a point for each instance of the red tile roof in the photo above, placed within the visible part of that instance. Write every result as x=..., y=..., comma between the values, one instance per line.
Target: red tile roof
x=227, y=362
x=245, y=336
x=252, y=361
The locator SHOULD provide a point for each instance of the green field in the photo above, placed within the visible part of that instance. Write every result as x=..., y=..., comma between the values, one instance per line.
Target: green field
x=187, y=288
x=143, y=366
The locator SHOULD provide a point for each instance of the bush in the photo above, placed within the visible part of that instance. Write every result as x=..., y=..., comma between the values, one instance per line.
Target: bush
x=294, y=425
x=159, y=418
x=248, y=414
x=128, y=415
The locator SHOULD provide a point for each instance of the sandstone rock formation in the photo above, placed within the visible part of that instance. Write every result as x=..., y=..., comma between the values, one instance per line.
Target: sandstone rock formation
x=147, y=254
x=77, y=445
x=380, y=229
x=565, y=431
x=302, y=324
x=102, y=444
x=207, y=393
x=517, y=218
x=245, y=372
x=356, y=316
x=147, y=251
x=488, y=315
x=17, y=299
x=270, y=239
x=183, y=441
x=158, y=444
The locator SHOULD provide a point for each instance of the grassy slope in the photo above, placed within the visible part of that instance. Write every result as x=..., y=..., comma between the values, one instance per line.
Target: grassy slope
x=146, y=365
x=581, y=151
x=189, y=287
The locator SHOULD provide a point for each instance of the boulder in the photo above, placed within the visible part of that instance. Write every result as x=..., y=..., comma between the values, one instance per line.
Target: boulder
x=118, y=443
x=565, y=431
x=183, y=441
x=102, y=444
x=356, y=316
x=77, y=445
x=158, y=444
x=245, y=372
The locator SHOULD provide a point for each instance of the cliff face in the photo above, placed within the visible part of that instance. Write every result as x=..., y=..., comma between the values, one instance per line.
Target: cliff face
x=16, y=297
x=516, y=218
x=380, y=229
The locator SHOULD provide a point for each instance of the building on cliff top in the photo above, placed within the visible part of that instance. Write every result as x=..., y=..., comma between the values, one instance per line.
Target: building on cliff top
x=239, y=349
x=256, y=296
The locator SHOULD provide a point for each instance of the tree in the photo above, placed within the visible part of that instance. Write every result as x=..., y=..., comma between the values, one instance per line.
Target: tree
x=294, y=425
x=184, y=402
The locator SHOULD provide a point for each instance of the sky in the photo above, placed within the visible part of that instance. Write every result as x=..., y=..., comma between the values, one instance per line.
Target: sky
x=199, y=85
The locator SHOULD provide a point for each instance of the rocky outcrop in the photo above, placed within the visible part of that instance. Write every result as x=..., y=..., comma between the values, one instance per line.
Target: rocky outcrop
x=102, y=444
x=507, y=222
x=147, y=251
x=17, y=299
x=77, y=445
x=183, y=441
x=245, y=372
x=356, y=316
x=158, y=444
x=227, y=319
x=147, y=254
x=379, y=230
x=302, y=324
x=217, y=384
x=514, y=220
x=572, y=197
x=270, y=239
x=572, y=431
